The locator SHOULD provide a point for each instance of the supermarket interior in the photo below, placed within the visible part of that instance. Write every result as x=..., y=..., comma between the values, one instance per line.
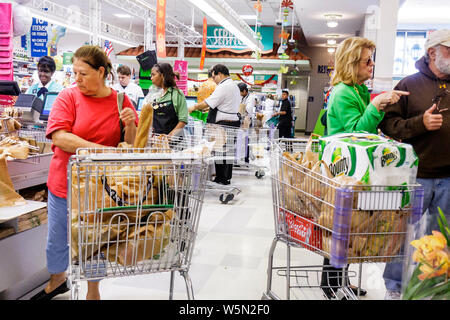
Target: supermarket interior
x=224, y=150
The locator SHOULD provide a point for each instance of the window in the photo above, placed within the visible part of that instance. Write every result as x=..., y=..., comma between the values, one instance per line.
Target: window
x=409, y=47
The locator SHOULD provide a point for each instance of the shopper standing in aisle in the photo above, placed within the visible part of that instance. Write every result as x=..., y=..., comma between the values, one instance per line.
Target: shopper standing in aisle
x=350, y=109
x=423, y=120
x=132, y=90
x=269, y=103
x=248, y=102
x=285, y=113
x=85, y=116
x=223, y=107
x=46, y=68
x=170, y=111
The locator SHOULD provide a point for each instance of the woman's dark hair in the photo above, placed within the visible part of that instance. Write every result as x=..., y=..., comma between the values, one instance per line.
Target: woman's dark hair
x=125, y=70
x=94, y=57
x=220, y=68
x=210, y=73
x=47, y=62
x=169, y=76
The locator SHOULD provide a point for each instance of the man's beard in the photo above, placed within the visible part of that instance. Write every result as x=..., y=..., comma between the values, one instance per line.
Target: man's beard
x=442, y=64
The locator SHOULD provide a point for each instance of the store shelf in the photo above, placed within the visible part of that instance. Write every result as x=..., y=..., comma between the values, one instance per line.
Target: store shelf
x=22, y=74
x=11, y=213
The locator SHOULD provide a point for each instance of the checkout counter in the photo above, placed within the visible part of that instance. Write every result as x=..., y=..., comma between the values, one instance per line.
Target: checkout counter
x=23, y=264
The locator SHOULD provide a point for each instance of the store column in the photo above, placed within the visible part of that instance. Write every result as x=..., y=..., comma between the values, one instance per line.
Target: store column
x=95, y=22
x=385, y=41
x=148, y=34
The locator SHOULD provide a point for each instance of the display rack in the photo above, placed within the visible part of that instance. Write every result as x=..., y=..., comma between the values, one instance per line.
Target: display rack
x=23, y=264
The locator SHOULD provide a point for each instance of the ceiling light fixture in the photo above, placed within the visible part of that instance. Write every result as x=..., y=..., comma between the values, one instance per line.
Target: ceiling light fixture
x=331, y=42
x=219, y=11
x=331, y=49
x=332, y=20
x=122, y=15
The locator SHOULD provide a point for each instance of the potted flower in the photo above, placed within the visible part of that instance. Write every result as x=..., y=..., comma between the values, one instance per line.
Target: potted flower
x=430, y=279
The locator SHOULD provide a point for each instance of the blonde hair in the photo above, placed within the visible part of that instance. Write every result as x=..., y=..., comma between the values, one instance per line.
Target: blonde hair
x=348, y=56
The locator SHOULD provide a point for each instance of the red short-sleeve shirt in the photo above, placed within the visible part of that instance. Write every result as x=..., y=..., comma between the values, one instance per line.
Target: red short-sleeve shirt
x=92, y=119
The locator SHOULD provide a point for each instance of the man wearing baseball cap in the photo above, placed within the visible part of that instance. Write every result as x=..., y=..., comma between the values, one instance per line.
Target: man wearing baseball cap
x=422, y=119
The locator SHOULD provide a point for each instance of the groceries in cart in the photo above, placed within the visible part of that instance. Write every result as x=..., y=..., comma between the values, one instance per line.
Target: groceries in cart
x=371, y=219
x=129, y=206
x=16, y=147
x=369, y=158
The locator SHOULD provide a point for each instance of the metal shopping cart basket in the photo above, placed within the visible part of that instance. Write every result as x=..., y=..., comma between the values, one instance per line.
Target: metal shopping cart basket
x=228, y=147
x=257, y=149
x=133, y=212
x=347, y=223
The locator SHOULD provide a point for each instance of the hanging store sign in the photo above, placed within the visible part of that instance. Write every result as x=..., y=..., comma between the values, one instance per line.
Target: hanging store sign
x=38, y=38
x=220, y=38
x=205, y=33
x=247, y=70
x=161, y=28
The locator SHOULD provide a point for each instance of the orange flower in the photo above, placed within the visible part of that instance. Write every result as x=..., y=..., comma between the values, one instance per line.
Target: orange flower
x=433, y=253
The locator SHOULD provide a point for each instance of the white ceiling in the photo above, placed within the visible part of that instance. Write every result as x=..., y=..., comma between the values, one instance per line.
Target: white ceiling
x=309, y=15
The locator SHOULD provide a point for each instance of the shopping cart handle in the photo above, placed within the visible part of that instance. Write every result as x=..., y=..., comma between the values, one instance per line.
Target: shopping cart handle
x=139, y=156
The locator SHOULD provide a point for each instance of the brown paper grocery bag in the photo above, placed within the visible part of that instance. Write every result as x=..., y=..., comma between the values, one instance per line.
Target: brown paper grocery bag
x=8, y=197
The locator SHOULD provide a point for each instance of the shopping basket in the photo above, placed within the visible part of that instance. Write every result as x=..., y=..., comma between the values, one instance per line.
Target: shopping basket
x=342, y=221
x=133, y=212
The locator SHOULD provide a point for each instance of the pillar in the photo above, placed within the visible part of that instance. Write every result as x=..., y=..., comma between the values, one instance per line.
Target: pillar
x=385, y=42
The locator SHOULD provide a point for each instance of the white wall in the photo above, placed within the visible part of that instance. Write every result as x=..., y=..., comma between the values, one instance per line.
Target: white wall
x=319, y=56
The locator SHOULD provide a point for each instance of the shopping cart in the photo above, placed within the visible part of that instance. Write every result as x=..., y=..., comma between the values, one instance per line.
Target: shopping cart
x=133, y=212
x=347, y=223
x=228, y=146
x=258, y=141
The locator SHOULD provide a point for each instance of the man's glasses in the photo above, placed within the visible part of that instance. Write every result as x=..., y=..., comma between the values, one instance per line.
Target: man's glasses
x=440, y=96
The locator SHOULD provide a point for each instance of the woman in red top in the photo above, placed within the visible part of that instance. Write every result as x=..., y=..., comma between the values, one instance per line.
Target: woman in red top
x=85, y=116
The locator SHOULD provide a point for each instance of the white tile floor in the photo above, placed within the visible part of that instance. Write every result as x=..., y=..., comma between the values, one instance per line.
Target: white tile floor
x=231, y=255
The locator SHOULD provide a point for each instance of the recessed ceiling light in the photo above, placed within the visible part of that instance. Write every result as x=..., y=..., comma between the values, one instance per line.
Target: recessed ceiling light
x=331, y=42
x=332, y=20
x=331, y=49
x=122, y=15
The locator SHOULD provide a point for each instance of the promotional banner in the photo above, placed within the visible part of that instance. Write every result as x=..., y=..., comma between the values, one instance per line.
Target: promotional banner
x=161, y=28
x=181, y=67
x=205, y=33
x=38, y=36
x=220, y=38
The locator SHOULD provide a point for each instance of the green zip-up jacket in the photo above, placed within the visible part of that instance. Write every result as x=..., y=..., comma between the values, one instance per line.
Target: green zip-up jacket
x=350, y=110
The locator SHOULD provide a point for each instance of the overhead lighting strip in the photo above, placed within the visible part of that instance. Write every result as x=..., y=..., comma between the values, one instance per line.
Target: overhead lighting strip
x=224, y=15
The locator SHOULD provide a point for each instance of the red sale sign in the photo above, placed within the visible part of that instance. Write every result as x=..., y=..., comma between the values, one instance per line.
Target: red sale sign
x=247, y=70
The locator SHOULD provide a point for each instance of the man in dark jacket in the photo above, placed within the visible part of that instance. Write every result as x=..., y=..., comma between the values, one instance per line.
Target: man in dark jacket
x=422, y=119
x=285, y=113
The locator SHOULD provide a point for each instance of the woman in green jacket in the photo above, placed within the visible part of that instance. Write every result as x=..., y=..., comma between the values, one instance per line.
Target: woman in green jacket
x=350, y=109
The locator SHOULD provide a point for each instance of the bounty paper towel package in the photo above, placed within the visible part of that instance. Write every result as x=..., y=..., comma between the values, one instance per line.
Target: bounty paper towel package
x=370, y=158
